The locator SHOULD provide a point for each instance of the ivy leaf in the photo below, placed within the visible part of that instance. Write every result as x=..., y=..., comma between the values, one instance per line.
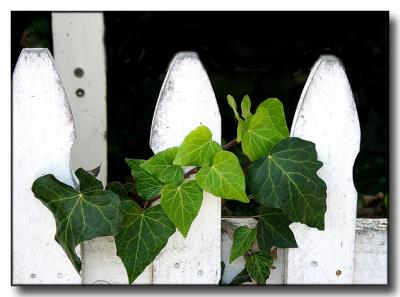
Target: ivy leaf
x=142, y=235
x=273, y=230
x=80, y=215
x=287, y=179
x=276, y=113
x=161, y=166
x=182, y=204
x=232, y=104
x=118, y=189
x=242, y=126
x=243, y=238
x=224, y=178
x=265, y=129
x=258, y=265
x=147, y=185
x=197, y=149
x=246, y=106
x=242, y=277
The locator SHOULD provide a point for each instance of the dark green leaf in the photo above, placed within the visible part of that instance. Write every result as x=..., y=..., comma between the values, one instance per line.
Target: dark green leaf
x=147, y=185
x=142, y=235
x=118, y=189
x=243, y=238
x=242, y=277
x=273, y=230
x=224, y=178
x=197, y=149
x=287, y=179
x=79, y=216
x=265, y=129
x=258, y=265
x=182, y=204
x=161, y=166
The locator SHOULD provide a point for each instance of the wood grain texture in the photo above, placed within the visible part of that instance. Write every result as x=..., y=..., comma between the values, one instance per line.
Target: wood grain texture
x=78, y=43
x=326, y=115
x=370, y=258
x=43, y=134
x=186, y=101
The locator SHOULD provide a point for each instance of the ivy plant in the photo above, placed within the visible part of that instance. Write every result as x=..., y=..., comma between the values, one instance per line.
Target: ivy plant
x=281, y=176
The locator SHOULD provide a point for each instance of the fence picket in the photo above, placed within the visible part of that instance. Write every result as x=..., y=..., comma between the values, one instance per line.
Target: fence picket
x=43, y=134
x=326, y=114
x=186, y=101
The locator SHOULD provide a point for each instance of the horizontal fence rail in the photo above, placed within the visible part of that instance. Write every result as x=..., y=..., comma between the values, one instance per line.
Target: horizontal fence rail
x=347, y=251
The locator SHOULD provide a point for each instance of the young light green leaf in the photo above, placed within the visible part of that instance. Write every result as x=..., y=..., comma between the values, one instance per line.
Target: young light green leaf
x=224, y=178
x=246, y=106
x=232, y=104
x=80, y=215
x=161, y=166
x=273, y=230
x=242, y=277
x=142, y=235
x=147, y=186
x=197, y=149
x=265, y=129
x=182, y=204
x=242, y=126
x=287, y=179
x=243, y=238
x=258, y=265
x=118, y=189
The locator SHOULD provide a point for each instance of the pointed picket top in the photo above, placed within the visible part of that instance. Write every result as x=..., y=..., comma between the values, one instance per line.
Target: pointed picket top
x=43, y=134
x=326, y=115
x=187, y=101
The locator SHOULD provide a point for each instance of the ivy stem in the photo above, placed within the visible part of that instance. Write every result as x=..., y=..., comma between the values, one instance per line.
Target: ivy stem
x=230, y=144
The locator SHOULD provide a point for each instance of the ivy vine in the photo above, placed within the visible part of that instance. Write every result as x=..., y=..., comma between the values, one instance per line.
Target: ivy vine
x=281, y=175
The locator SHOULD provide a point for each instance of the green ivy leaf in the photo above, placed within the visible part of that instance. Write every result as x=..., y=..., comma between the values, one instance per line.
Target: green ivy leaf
x=265, y=129
x=197, y=149
x=243, y=238
x=118, y=189
x=273, y=230
x=258, y=265
x=242, y=277
x=142, y=235
x=246, y=106
x=182, y=204
x=147, y=186
x=161, y=166
x=80, y=215
x=232, y=104
x=242, y=125
x=224, y=178
x=287, y=179
x=276, y=114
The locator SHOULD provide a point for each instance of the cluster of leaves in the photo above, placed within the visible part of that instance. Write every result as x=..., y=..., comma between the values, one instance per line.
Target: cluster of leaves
x=281, y=177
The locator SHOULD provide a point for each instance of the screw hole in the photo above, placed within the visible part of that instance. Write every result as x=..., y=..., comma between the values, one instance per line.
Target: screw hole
x=78, y=72
x=80, y=92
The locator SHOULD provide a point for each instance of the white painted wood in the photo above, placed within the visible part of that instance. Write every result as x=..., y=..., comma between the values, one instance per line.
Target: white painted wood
x=327, y=115
x=78, y=43
x=186, y=101
x=370, y=258
x=371, y=252
x=43, y=134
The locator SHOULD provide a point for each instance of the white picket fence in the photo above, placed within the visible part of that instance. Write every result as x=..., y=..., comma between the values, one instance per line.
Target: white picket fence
x=349, y=251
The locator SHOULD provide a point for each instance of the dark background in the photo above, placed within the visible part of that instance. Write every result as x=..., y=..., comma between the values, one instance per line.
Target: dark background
x=262, y=54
